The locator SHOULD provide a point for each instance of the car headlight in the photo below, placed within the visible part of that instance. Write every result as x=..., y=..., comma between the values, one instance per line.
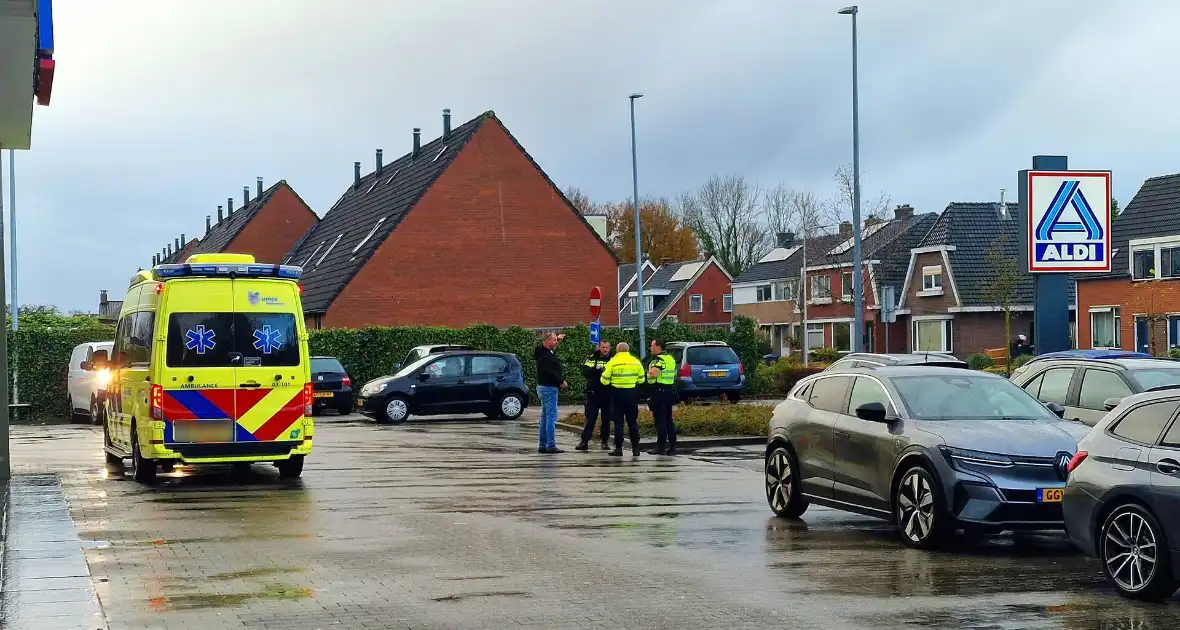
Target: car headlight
x=102, y=377
x=373, y=388
x=959, y=456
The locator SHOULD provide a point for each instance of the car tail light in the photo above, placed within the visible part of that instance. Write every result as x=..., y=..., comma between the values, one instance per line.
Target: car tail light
x=686, y=370
x=1076, y=461
x=308, y=398
x=347, y=382
x=741, y=369
x=157, y=395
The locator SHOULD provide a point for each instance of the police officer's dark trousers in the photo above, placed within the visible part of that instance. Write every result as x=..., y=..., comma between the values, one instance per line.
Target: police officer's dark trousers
x=598, y=409
x=663, y=399
x=625, y=406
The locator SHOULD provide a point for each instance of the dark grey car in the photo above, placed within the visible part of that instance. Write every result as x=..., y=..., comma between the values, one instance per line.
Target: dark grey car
x=934, y=449
x=1083, y=385
x=1122, y=502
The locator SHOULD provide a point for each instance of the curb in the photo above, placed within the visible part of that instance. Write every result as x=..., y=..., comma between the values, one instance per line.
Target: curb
x=687, y=444
x=3, y=531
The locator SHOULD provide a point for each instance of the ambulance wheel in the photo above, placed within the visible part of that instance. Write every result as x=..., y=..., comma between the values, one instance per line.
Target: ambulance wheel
x=143, y=469
x=290, y=468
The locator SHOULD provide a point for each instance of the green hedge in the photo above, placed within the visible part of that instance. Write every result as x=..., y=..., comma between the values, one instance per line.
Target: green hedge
x=40, y=353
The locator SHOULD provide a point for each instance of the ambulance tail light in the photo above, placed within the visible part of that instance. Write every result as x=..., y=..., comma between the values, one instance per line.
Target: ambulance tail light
x=157, y=396
x=308, y=399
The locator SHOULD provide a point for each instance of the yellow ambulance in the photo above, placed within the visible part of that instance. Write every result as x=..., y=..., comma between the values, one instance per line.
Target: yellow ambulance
x=210, y=365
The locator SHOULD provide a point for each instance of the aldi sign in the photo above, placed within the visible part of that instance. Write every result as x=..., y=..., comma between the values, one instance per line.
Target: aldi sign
x=1068, y=221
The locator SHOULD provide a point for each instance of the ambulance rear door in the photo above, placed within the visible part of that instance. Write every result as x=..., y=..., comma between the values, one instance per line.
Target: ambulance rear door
x=273, y=370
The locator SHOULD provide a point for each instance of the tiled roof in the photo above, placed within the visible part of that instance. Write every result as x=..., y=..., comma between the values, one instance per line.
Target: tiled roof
x=894, y=254
x=661, y=279
x=790, y=267
x=627, y=274
x=1154, y=211
x=874, y=243
x=972, y=228
x=341, y=243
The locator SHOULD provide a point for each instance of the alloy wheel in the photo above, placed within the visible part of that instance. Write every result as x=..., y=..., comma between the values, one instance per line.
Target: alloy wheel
x=510, y=406
x=1130, y=552
x=396, y=409
x=915, y=506
x=779, y=478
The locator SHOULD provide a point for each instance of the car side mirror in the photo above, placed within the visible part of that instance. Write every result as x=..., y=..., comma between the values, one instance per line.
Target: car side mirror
x=87, y=366
x=1057, y=409
x=397, y=367
x=1111, y=403
x=424, y=376
x=872, y=412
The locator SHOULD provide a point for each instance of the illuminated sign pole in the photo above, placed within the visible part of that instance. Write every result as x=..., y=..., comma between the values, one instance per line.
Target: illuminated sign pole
x=1064, y=228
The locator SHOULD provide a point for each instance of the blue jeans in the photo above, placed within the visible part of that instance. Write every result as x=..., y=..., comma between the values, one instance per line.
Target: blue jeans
x=548, y=427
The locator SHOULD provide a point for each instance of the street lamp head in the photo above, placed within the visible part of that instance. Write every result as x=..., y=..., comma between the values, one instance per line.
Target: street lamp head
x=848, y=10
x=635, y=96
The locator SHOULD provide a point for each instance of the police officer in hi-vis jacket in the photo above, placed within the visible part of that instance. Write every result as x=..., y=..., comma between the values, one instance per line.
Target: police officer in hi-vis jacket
x=661, y=377
x=623, y=373
x=598, y=397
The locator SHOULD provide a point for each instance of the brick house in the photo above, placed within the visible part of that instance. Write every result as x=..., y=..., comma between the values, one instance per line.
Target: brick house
x=1137, y=305
x=945, y=294
x=830, y=308
x=627, y=278
x=696, y=293
x=464, y=229
x=266, y=227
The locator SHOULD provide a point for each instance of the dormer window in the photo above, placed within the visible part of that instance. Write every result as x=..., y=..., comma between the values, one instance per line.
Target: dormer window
x=931, y=281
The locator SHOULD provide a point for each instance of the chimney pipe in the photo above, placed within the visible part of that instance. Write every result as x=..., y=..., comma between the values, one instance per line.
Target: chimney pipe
x=356, y=174
x=153, y=264
x=786, y=239
x=176, y=241
x=245, y=196
x=229, y=207
x=845, y=229
x=380, y=163
x=259, y=181
x=220, y=216
x=417, y=141
x=904, y=211
x=208, y=223
x=446, y=124
x=182, y=241
x=169, y=250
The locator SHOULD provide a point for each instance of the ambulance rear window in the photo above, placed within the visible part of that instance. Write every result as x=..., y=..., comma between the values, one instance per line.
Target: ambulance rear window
x=200, y=339
x=267, y=339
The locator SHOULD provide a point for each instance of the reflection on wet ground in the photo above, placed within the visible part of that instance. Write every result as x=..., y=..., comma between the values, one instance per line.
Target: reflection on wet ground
x=452, y=524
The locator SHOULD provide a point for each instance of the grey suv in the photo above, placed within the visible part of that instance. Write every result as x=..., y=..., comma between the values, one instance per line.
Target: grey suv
x=934, y=449
x=870, y=359
x=1083, y=386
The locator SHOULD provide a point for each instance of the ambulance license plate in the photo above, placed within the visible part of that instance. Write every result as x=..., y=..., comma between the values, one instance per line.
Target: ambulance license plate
x=323, y=394
x=203, y=431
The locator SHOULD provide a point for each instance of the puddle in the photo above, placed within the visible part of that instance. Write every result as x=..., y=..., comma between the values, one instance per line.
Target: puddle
x=199, y=601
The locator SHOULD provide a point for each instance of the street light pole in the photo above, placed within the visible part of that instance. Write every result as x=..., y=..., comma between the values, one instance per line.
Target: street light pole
x=638, y=246
x=15, y=301
x=857, y=263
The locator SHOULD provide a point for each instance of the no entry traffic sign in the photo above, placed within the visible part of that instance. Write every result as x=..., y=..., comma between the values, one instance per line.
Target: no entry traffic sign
x=595, y=301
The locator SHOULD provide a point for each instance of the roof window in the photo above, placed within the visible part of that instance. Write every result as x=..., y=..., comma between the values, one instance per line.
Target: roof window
x=330, y=248
x=370, y=235
x=392, y=176
x=317, y=250
x=440, y=152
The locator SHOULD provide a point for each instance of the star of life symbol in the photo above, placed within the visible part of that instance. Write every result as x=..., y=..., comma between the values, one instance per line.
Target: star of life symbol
x=268, y=339
x=200, y=339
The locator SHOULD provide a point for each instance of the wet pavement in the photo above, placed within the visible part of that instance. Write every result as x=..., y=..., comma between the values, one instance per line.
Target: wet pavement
x=461, y=524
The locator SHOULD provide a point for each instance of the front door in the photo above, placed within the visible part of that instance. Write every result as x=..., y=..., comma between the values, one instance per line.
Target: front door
x=1097, y=386
x=815, y=448
x=1164, y=467
x=1142, y=335
x=864, y=450
x=440, y=385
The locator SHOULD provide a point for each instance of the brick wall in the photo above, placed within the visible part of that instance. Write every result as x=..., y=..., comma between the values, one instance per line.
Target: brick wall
x=776, y=312
x=973, y=333
x=273, y=232
x=1156, y=298
x=491, y=242
x=712, y=285
x=928, y=305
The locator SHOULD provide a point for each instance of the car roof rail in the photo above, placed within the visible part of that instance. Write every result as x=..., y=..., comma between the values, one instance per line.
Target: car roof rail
x=1161, y=388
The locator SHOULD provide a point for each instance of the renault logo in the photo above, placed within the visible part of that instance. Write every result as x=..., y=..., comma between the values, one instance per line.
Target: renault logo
x=1062, y=466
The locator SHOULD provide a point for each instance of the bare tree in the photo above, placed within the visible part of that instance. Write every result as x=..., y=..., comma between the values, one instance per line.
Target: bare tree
x=728, y=220
x=1001, y=288
x=840, y=207
x=582, y=201
x=779, y=210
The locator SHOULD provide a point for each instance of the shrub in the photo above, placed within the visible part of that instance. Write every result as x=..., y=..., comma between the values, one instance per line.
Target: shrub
x=980, y=361
x=1174, y=353
x=996, y=369
x=1021, y=360
x=825, y=355
x=700, y=420
x=39, y=357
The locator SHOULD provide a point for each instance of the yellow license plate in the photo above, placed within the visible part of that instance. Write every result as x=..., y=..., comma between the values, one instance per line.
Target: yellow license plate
x=1049, y=495
x=203, y=431
x=323, y=394
x=717, y=373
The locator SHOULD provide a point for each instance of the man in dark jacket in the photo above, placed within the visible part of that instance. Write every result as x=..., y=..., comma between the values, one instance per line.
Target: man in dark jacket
x=598, y=397
x=549, y=380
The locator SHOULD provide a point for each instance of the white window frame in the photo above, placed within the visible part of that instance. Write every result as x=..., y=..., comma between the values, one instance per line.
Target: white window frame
x=815, y=328
x=849, y=325
x=330, y=248
x=768, y=288
x=947, y=332
x=846, y=285
x=369, y=236
x=816, y=298
x=1116, y=321
x=931, y=281
x=1153, y=245
x=727, y=303
x=649, y=303
x=700, y=303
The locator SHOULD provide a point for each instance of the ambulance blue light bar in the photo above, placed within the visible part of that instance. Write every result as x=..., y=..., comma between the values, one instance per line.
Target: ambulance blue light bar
x=289, y=272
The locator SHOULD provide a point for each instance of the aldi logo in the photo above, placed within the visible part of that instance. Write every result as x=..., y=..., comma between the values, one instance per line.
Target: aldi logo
x=1068, y=221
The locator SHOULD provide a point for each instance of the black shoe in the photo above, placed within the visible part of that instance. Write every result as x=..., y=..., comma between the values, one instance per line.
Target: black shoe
x=671, y=450
x=635, y=452
x=554, y=451
x=659, y=450
x=606, y=446
x=582, y=446
x=542, y=449
x=618, y=452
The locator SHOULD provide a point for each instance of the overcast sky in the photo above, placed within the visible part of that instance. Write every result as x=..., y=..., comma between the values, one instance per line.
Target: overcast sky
x=161, y=110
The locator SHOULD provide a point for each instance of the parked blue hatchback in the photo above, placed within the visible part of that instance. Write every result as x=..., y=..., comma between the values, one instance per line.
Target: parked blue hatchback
x=708, y=369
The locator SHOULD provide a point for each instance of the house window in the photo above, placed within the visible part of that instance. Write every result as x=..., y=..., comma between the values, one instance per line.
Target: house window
x=629, y=305
x=846, y=285
x=696, y=304
x=821, y=288
x=815, y=336
x=727, y=303
x=842, y=336
x=1143, y=264
x=764, y=293
x=1155, y=260
x=932, y=280
x=649, y=303
x=1104, y=328
x=1170, y=262
x=932, y=335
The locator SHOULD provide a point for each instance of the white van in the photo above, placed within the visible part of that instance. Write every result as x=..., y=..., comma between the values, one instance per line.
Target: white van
x=88, y=380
